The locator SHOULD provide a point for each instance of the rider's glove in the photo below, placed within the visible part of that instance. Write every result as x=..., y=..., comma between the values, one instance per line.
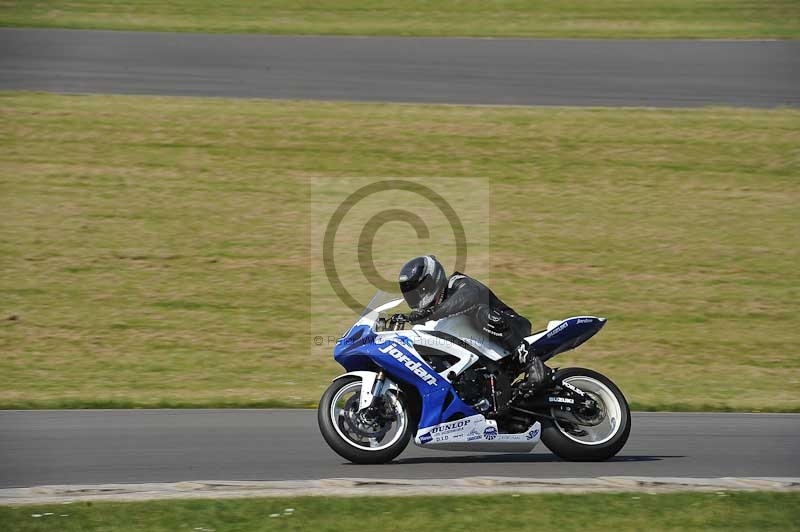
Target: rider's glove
x=413, y=316
x=419, y=315
x=398, y=318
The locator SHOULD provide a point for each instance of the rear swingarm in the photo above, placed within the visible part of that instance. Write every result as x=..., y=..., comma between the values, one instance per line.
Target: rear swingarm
x=559, y=395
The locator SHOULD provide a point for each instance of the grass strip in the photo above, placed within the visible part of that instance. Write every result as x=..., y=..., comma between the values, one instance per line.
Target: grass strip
x=156, y=251
x=742, y=511
x=605, y=19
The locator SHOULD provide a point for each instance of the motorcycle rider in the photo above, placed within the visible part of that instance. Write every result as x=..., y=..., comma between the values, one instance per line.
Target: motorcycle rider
x=431, y=295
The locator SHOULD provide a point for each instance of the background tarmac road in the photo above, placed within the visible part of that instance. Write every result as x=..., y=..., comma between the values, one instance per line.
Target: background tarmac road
x=457, y=71
x=110, y=446
x=80, y=447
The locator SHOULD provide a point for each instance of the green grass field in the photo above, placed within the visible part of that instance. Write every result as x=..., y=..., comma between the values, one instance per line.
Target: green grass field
x=638, y=19
x=156, y=251
x=756, y=511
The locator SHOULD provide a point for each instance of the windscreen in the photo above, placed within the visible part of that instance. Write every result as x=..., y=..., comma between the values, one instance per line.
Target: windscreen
x=379, y=299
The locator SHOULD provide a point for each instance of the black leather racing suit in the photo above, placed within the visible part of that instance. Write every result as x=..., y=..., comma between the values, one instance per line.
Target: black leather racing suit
x=465, y=295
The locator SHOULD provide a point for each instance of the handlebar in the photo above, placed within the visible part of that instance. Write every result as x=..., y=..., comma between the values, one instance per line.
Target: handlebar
x=396, y=322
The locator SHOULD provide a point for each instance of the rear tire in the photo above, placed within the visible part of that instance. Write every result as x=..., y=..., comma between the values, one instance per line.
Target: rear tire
x=597, y=443
x=336, y=422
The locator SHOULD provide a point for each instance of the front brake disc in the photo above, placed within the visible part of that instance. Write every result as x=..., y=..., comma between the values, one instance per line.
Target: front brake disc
x=362, y=426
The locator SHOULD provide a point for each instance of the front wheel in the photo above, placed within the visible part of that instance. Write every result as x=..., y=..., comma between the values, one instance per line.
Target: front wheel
x=367, y=437
x=587, y=437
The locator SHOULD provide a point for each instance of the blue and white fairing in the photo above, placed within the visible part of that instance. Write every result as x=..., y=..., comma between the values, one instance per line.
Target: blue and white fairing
x=564, y=335
x=362, y=348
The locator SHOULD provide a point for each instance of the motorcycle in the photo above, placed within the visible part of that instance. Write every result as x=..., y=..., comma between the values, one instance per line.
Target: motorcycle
x=449, y=387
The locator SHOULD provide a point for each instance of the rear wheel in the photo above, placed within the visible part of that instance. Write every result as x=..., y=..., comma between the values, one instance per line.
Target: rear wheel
x=589, y=436
x=367, y=437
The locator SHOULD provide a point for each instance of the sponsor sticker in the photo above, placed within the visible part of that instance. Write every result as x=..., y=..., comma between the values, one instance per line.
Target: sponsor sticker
x=455, y=426
x=566, y=400
x=573, y=388
x=532, y=434
x=426, y=438
x=412, y=365
x=558, y=329
x=490, y=433
x=474, y=435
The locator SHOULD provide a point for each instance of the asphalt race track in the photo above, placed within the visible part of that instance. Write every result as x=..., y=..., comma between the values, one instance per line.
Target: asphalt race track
x=458, y=71
x=120, y=446
x=116, y=446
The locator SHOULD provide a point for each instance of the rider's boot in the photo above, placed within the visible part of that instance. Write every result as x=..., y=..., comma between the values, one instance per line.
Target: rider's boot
x=534, y=367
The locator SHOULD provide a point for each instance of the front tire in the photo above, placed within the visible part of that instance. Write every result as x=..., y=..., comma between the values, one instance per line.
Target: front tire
x=570, y=439
x=374, y=439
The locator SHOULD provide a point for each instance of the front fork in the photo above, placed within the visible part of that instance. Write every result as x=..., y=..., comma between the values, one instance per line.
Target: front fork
x=373, y=385
x=377, y=388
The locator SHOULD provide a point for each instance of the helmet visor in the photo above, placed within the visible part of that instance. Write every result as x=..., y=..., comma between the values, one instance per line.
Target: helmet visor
x=419, y=295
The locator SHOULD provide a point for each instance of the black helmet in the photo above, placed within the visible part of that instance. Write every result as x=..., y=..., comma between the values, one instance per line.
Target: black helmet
x=422, y=281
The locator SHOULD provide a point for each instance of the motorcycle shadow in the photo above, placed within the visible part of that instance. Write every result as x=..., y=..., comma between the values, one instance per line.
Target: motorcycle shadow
x=516, y=458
